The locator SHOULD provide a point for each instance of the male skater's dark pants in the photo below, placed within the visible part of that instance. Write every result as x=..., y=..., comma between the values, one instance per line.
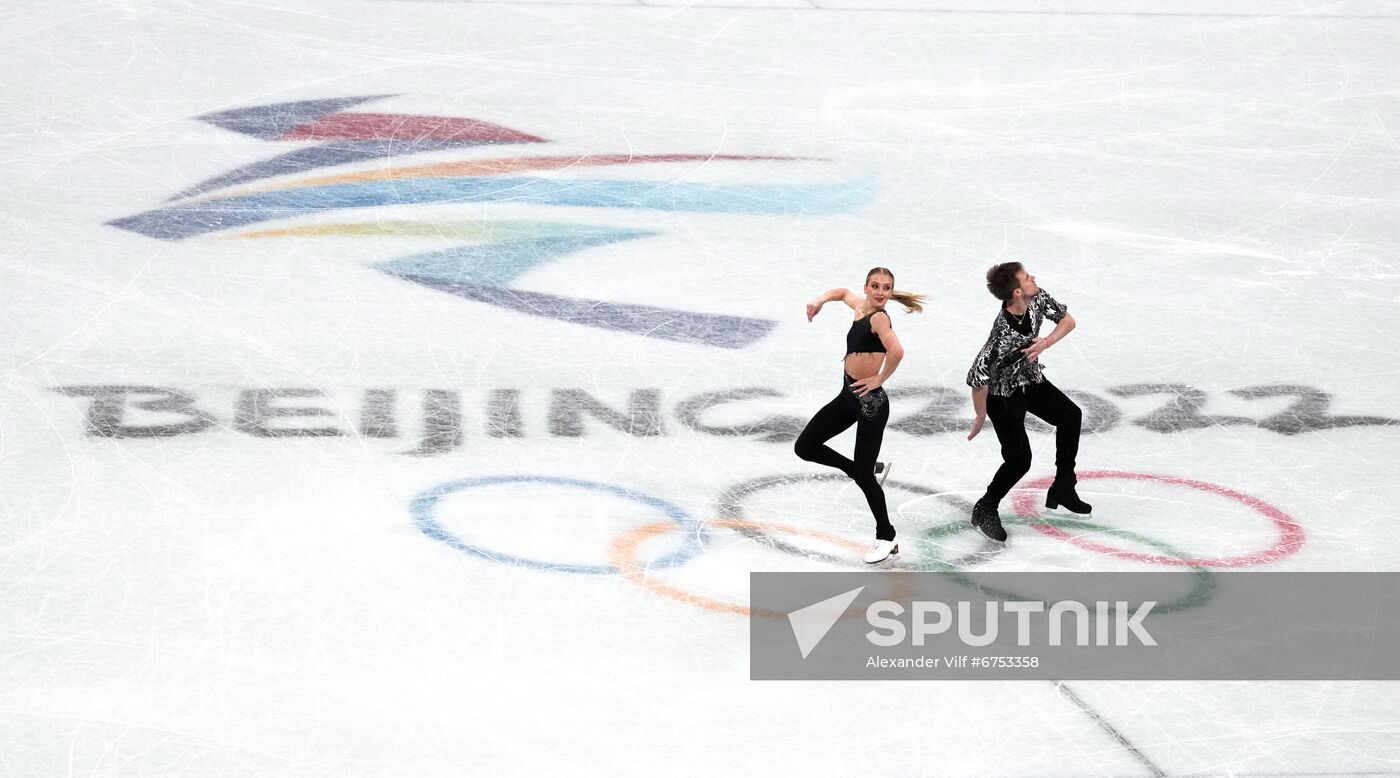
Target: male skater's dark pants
x=1008, y=415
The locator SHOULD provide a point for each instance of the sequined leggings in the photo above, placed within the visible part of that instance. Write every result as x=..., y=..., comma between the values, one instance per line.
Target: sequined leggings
x=869, y=414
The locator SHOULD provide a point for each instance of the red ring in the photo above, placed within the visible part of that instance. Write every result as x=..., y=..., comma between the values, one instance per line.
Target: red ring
x=1290, y=534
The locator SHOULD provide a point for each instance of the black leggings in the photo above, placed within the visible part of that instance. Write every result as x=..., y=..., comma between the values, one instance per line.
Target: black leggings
x=869, y=414
x=1008, y=415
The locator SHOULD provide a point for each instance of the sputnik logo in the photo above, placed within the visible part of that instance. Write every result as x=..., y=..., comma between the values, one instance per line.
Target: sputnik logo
x=487, y=255
x=810, y=624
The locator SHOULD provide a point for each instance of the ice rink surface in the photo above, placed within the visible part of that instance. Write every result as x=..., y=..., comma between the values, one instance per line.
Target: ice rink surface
x=377, y=375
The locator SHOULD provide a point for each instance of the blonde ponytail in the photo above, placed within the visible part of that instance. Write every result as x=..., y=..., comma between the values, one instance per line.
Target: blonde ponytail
x=913, y=303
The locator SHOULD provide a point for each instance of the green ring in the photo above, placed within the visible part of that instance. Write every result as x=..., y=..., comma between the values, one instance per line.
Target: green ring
x=1205, y=580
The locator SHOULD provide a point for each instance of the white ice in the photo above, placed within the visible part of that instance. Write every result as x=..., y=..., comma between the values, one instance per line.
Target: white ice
x=1212, y=188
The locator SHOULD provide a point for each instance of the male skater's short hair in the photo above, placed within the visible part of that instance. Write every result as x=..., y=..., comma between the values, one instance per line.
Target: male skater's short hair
x=1001, y=280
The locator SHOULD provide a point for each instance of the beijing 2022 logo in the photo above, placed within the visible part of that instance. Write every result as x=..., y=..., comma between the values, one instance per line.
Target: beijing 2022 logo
x=486, y=255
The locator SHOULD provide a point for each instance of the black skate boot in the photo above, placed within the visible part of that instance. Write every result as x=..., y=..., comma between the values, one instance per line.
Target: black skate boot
x=1062, y=498
x=986, y=519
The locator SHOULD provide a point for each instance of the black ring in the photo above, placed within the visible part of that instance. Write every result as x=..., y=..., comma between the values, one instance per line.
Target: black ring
x=731, y=507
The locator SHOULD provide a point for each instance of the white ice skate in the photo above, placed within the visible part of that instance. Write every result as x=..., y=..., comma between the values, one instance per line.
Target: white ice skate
x=881, y=550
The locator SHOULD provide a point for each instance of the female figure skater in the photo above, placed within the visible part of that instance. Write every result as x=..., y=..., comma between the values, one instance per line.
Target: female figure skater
x=1008, y=369
x=872, y=354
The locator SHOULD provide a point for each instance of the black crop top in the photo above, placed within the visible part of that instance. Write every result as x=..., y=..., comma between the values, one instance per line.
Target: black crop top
x=861, y=339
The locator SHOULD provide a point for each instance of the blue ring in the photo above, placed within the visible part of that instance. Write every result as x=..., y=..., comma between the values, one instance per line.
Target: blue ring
x=424, y=507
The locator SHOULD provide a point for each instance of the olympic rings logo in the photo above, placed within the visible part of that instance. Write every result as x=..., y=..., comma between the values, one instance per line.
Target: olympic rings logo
x=930, y=548
x=425, y=514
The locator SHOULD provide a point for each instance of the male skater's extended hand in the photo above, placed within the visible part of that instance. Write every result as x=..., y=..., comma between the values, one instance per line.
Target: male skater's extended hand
x=979, y=410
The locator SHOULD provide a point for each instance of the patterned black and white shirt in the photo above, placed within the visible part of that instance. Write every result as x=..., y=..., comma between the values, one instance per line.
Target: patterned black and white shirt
x=1000, y=365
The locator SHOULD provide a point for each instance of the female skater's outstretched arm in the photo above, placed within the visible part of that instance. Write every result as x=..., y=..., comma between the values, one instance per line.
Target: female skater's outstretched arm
x=844, y=295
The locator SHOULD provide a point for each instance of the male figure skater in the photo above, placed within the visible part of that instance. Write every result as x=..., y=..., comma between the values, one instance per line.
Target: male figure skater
x=1008, y=382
